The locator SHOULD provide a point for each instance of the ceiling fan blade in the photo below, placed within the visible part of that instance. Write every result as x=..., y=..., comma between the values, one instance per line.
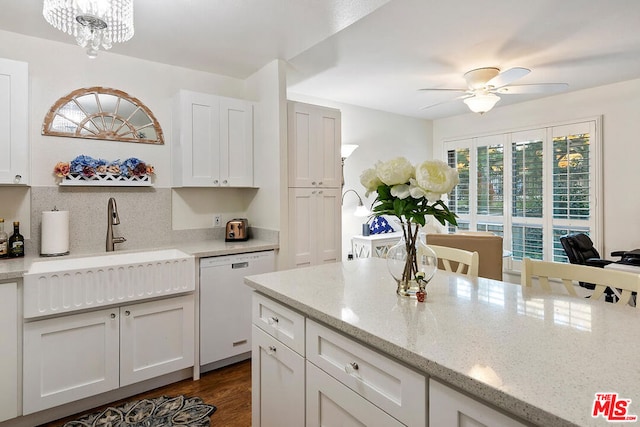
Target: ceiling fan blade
x=533, y=88
x=446, y=102
x=443, y=90
x=508, y=76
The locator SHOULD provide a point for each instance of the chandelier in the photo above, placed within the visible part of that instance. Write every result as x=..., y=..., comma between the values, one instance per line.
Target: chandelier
x=94, y=23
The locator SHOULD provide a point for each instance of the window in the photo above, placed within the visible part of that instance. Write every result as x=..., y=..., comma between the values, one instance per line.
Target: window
x=530, y=187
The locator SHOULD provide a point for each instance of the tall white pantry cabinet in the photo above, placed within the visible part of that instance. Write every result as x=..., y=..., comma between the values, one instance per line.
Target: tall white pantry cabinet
x=314, y=139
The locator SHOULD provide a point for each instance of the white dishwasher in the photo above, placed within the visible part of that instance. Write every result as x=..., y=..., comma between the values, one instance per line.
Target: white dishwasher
x=225, y=306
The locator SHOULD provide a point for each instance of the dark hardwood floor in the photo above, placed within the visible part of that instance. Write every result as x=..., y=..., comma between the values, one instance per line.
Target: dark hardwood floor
x=228, y=388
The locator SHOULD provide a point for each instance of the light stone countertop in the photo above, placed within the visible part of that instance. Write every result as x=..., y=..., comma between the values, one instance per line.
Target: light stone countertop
x=14, y=268
x=537, y=356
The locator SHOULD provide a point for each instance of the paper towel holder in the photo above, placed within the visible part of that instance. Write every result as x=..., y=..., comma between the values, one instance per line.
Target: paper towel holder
x=65, y=244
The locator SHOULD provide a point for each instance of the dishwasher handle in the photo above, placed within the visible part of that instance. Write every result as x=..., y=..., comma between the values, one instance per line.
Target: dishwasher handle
x=236, y=265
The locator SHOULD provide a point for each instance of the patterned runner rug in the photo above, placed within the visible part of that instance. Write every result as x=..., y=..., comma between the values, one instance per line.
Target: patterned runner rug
x=161, y=411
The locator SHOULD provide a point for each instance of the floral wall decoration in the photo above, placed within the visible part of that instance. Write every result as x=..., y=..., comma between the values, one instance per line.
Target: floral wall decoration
x=102, y=113
x=85, y=170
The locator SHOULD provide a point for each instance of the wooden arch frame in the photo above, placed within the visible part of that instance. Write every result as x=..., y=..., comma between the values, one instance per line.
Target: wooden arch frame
x=102, y=113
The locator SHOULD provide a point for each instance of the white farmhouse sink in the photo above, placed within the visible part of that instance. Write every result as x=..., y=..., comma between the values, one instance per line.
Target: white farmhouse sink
x=69, y=284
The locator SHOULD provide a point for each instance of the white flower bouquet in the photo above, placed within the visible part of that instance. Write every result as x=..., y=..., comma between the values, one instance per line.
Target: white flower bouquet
x=411, y=194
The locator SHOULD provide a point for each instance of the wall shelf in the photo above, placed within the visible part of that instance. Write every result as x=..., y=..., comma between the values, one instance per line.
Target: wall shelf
x=106, y=180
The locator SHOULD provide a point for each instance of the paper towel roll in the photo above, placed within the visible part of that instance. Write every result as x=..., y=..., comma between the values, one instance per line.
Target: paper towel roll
x=55, y=233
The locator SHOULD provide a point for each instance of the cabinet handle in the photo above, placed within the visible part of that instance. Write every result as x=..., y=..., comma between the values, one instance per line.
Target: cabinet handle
x=351, y=368
x=17, y=178
x=127, y=313
x=271, y=350
x=273, y=320
x=113, y=315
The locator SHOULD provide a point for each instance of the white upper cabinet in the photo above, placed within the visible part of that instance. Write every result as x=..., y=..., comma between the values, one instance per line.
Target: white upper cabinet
x=212, y=141
x=14, y=140
x=314, y=146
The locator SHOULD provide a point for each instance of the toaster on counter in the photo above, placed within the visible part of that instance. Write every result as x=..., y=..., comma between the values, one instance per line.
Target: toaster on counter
x=237, y=230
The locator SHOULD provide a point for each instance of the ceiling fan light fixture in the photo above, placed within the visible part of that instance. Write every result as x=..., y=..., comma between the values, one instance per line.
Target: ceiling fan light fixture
x=481, y=103
x=94, y=23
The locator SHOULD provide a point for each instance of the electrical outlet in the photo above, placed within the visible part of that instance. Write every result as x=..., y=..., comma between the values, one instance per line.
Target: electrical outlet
x=217, y=220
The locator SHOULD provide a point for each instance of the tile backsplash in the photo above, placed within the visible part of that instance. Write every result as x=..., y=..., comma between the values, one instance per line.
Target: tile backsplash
x=145, y=218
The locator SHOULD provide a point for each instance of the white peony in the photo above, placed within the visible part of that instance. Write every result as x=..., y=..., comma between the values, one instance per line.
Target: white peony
x=418, y=192
x=395, y=171
x=370, y=181
x=436, y=177
x=401, y=191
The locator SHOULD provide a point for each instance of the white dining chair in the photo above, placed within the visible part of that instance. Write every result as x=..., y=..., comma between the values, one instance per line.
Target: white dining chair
x=570, y=274
x=464, y=262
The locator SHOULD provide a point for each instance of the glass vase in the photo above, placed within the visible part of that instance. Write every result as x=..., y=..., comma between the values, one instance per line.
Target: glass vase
x=411, y=262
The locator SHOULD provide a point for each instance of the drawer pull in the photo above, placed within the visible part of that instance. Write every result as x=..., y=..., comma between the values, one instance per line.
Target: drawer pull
x=271, y=350
x=273, y=320
x=237, y=343
x=351, y=368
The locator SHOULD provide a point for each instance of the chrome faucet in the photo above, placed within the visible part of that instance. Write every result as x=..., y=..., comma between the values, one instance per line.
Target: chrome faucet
x=112, y=219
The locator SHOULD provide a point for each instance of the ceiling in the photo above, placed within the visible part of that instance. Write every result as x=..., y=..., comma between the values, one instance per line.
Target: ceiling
x=377, y=53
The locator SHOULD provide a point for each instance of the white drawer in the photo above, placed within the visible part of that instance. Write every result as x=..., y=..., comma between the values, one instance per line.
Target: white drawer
x=331, y=403
x=396, y=389
x=280, y=322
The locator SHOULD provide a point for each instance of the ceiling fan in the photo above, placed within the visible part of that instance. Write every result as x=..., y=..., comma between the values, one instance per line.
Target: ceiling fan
x=485, y=84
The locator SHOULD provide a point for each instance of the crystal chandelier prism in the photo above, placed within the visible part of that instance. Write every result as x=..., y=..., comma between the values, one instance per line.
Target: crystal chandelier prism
x=94, y=23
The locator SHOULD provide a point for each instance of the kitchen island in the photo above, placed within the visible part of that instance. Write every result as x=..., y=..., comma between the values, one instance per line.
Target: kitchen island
x=537, y=357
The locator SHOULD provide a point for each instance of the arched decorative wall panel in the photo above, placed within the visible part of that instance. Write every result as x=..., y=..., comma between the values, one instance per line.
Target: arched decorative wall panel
x=102, y=113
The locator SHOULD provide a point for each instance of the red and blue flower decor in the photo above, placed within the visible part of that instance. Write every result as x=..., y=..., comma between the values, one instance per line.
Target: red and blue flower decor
x=99, y=171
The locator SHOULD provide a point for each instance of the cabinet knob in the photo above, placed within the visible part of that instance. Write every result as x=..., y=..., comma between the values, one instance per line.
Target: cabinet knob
x=127, y=313
x=320, y=183
x=273, y=320
x=271, y=349
x=320, y=192
x=17, y=179
x=313, y=183
x=113, y=315
x=225, y=182
x=215, y=181
x=351, y=368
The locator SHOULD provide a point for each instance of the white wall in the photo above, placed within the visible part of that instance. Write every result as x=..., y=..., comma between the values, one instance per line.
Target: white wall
x=619, y=105
x=380, y=136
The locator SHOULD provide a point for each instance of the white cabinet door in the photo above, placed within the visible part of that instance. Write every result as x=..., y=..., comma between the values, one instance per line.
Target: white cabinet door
x=449, y=408
x=330, y=403
x=277, y=383
x=329, y=226
x=314, y=139
x=213, y=141
x=9, y=351
x=69, y=358
x=236, y=143
x=196, y=145
x=315, y=216
x=14, y=114
x=156, y=338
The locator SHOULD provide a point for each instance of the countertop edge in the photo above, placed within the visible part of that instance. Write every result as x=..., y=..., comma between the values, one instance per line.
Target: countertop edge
x=15, y=269
x=497, y=398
